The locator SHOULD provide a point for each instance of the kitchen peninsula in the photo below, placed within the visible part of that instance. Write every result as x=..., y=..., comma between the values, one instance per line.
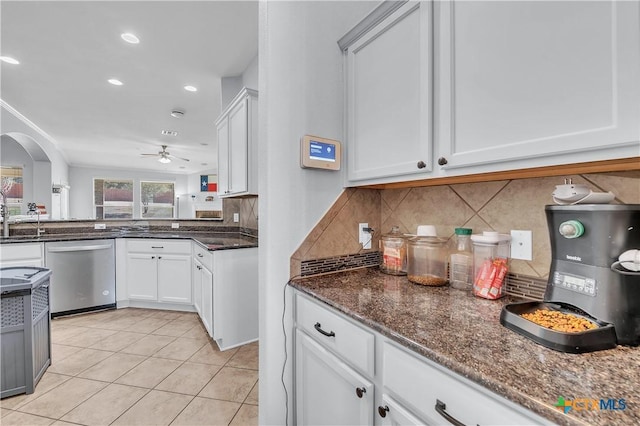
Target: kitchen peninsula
x=462, y=336
x=186, y=265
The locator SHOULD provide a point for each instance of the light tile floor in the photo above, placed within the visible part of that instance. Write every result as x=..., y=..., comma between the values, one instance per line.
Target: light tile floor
x=139, y=367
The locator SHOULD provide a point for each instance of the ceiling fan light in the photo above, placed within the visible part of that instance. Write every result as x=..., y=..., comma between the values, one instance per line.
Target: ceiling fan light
x=164, y=160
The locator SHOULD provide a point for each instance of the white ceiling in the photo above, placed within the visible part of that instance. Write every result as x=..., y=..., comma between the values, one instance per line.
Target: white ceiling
x=69, y=49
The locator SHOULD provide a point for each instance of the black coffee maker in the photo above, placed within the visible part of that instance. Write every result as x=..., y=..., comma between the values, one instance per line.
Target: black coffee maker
x=586, y=278
x=586, y=241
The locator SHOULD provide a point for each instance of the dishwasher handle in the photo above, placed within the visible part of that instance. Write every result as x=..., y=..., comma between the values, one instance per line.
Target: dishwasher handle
x=79, y=248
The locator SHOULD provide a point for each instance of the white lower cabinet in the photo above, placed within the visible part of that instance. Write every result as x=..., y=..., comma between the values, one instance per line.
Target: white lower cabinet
x=328, y=391
x=404, y=389
x=225, y=284
x=159, y=271
x=21, y=254
x=393, y=413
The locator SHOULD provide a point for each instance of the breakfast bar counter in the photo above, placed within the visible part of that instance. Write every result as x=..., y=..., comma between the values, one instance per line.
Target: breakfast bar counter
x=463, y=333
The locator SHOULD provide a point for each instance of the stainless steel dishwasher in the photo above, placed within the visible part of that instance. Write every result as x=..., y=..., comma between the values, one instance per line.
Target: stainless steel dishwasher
x=83, y=275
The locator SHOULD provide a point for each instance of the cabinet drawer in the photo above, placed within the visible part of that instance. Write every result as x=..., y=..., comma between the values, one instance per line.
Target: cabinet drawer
x=420, y=385
x=204, y=256
x=159, y=246
x=26, y=251
x=349, y=341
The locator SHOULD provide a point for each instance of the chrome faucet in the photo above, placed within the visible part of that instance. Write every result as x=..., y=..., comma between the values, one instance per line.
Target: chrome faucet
x=34, y=210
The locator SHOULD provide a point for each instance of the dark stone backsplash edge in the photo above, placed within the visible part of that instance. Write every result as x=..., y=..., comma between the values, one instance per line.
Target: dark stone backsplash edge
x=517, y=285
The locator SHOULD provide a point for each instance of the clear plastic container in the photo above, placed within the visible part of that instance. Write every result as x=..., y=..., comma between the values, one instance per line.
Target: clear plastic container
x=427, y=260
x=461, y=260
x=393, y=247
x=491, y=252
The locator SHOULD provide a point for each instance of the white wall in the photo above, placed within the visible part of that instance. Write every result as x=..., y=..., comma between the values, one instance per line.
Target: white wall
x=301, y=91
x=11, y=121
x=250, y=74
x=81, y=193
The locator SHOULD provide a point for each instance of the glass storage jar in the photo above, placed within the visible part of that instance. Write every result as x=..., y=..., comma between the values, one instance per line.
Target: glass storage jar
x=427, y=260
x=393, y=247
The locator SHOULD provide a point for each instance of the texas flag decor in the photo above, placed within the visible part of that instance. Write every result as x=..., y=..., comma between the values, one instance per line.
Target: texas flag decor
x=208, y=183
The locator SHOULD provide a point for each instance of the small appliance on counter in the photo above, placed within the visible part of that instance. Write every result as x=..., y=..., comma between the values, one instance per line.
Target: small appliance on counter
x=592, y=299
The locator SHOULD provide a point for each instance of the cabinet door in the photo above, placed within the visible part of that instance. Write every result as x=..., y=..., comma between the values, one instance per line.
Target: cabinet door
x=326, y=388
x=223, y=156
x=238, y=148
x=536, y=79
x=389, y=96
x=196, y=275
x=207, y=300
x=174, y=278
x=396, y=415
x=142, y=276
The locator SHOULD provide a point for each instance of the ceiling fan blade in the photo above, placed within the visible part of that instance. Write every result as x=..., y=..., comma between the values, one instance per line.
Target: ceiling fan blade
x=150, y=155
x=179, y=158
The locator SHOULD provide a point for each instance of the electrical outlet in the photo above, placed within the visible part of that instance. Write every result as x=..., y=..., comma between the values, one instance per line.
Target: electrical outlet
x=521, y=245
x=175, y=225
x=100, y=226
x=364, y=237
x=236, y=217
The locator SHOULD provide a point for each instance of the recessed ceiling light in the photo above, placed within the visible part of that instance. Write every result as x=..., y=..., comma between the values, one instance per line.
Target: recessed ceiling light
x=190, y=88
x=169, y=133
x=204, y=144
x=115, y=82
x=203, y=164
x=177, y=113
x=182, y=167
x=9, y=60
x=130, y=38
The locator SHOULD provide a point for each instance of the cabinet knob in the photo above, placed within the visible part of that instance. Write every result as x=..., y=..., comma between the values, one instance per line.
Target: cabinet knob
x=360, y=392
x=153, y=257
x=421, y=164
x=159, y=257
x=383, y=410
x=442, y=161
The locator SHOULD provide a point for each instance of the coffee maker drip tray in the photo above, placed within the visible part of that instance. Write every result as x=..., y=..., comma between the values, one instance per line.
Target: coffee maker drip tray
x=573, y=330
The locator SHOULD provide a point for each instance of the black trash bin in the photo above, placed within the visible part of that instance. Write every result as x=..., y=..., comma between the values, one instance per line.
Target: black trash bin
x=25, y=329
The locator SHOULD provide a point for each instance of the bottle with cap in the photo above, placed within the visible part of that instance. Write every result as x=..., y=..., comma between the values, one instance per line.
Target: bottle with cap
x=393, y=247
x=461, y=260
x=491, y=252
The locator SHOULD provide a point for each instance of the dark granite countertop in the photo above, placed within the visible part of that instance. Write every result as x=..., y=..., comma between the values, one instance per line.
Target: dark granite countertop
x=463, y=333
x=208, y=240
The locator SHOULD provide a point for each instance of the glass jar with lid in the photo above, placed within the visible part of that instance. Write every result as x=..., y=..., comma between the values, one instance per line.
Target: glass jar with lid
x=427, y=260
x=393, y=247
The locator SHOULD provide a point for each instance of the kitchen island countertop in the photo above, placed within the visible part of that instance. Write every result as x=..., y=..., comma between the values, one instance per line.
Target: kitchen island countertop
x=463, y=333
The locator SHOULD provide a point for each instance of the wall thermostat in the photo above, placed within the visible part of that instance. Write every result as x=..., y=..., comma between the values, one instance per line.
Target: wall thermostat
x=320, y=153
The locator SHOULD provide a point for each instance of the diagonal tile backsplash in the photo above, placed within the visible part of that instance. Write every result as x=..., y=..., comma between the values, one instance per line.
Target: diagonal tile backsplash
x=485, y=206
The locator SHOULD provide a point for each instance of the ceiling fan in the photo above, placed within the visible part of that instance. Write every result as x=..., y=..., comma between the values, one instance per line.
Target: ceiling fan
x=165, y=156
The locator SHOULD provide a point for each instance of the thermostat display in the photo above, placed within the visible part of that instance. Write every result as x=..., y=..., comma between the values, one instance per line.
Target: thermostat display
x=320, y=153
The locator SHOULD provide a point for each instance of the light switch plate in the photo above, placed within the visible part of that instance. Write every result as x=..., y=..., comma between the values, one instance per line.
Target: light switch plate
x=521, y=245
x=364, y=237
x=236, y=217
x=175, y=225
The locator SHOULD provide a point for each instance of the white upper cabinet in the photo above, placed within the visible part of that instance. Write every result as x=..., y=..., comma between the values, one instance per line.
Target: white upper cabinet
x=389, y=96
x=521, y=80
x=486, y=86
x=237, y=146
